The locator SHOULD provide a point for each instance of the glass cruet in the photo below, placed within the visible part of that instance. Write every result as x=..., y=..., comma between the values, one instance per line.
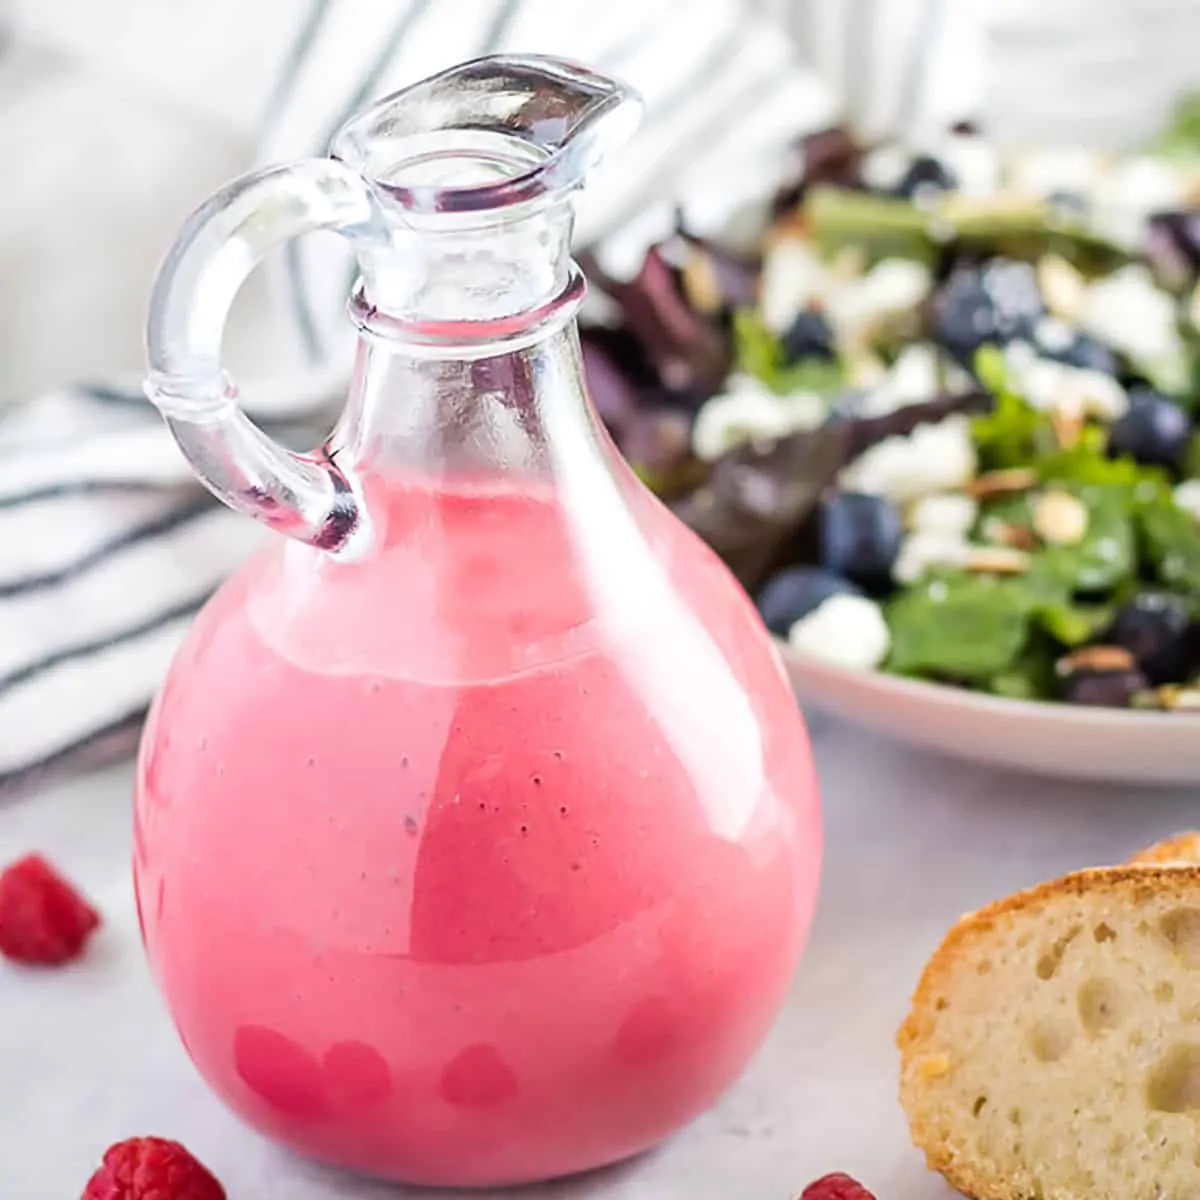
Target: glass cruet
x=476, y=833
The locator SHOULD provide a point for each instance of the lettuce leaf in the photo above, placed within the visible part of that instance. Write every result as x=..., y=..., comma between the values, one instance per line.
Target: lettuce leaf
x=1170, y=539
x=958, y=626
x=1107, y=554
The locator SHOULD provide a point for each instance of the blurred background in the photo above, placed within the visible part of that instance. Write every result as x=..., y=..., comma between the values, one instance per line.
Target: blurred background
x=119, y=116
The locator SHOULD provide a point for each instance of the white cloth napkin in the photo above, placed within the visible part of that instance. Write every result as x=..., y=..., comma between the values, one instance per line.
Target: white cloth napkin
x=109, y=545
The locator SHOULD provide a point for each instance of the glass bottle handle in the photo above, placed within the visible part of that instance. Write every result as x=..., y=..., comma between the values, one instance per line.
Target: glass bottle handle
x=305, y=496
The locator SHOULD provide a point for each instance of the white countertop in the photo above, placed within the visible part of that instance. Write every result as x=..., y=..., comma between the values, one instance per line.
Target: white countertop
x=88, y=1056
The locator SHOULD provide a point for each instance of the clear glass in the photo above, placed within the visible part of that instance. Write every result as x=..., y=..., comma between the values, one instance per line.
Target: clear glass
x=477, y=836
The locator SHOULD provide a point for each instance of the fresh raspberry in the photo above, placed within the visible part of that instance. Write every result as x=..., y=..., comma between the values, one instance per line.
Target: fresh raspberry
x=836, y=1187
x=151, y=1168
x=43, y=919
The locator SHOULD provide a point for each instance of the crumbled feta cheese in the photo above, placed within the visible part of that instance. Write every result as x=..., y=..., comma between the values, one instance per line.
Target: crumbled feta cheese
x=1052, y=386
x=891, y=287
x=1044, y=171
x=884, y=167
x=973, y=161
x=1019, y=356
x=793, y=276
x=1129, y=312
x=1053, y=334
x=956, y=381
x=945, y=514
x=1101, y=395
x=805, y=410
x=912, y=379
x=896, y=285
x=845, y=629
x=749, y=411
x=922, y=550
x=933, y=458
x=1187, y=497
x=1125, y=197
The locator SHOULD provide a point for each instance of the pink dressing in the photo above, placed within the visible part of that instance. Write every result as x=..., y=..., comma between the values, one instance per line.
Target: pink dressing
x=450, y=880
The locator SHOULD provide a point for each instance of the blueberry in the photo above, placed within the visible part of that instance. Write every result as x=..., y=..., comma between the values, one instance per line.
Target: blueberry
x=990, y=304
x=795, y=592
x=1103, y=689
x=1155, y=627
x=1055, y=339
x=809, y=336
x=925, y=176
x=1085, y=351
x=860, y=537
x=1154, y=430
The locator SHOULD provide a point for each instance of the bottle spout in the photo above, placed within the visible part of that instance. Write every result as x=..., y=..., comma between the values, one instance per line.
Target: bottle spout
x=473, y=170
x=488, y=135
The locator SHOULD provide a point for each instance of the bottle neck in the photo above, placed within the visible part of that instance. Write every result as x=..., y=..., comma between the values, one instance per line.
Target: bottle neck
x=510, y=411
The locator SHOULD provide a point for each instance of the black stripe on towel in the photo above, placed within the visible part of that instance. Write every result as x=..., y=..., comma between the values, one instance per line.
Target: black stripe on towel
x=501, y=24
x=118, y=397
x=79, y=487
x=289, y=432
x=65, y=654
x=306, y=38
x=165, y=523
x=102, y=745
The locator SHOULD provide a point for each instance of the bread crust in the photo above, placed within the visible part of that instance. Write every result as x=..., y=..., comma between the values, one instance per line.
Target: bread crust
x=1181, y=849
x=1168, y=868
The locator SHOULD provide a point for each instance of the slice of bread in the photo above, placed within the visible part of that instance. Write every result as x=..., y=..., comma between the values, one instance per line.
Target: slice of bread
x=1052, y=1051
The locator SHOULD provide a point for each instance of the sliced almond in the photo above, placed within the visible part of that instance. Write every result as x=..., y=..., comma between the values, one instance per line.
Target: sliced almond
x=1193, y=307
x=1002, y=483
x=700, y=283
x=1067, y=422
x=1062, y=286
x=1096, y=658
x=1179, y=699
x=789, y=226
x=1060, y=518
x=1003, y=533
x=997, y=560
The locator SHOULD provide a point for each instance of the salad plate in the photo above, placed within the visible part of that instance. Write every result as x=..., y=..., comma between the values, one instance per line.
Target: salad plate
x=1030, y=736
x=942, y=420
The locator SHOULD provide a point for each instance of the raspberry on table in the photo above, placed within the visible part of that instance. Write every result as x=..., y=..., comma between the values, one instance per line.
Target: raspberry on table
x=43, y=919
x=836, y=1187
x=150, y=1168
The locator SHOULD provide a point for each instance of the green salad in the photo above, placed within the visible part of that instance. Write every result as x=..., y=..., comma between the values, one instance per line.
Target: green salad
x=1038, y=535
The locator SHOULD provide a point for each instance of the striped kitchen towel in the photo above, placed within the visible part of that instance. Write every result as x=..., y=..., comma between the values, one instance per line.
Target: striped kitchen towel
x=109, y=545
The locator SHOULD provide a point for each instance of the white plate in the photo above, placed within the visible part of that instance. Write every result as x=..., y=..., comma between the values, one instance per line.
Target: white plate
x=1065, y=740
